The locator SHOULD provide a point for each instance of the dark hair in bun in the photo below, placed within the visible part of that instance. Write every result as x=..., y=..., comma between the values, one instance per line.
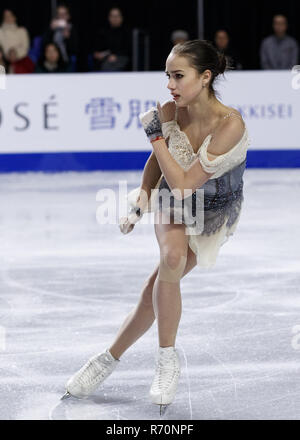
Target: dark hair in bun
x=202, y=55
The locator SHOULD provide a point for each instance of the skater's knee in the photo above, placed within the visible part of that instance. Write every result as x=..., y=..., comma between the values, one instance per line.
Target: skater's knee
x=172, y=265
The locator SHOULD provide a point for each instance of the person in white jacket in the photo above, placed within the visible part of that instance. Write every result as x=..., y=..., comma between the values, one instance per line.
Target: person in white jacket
x=13, y=36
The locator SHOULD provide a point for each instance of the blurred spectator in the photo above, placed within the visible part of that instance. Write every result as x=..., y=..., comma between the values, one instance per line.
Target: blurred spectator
x=179, y=36
x=16, y=65
x=13, y=36
x=279, y=51
x=62, y=33
x=112, y=48
x=3, y=61
x=52, y=61
x=223, y=44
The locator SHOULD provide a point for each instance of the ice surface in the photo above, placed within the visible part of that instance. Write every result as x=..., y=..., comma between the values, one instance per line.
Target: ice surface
x=67, y=283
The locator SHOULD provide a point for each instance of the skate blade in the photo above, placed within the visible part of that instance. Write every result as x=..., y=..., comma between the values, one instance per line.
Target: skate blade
x=65, y=396
x=162, y=409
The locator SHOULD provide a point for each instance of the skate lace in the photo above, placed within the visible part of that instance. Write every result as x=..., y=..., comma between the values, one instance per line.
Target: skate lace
x=165, y=373
x=94, y=370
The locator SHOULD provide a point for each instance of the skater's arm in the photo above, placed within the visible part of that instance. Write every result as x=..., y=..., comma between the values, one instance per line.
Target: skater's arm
x=151, y=174
x=203, y=166
x=152, y=170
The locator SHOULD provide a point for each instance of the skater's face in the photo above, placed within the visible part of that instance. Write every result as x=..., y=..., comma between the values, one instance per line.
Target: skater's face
x=185, y=81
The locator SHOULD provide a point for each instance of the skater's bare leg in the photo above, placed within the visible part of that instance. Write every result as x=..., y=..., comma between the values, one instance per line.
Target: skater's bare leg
x=173, y=243
x=141, y=318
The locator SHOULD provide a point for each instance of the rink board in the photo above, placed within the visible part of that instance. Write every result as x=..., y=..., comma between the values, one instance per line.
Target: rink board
x=110, y=161
x=91, y=121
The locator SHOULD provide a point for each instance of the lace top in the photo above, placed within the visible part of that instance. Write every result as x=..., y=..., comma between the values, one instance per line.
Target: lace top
x=223, y=191
x=182, y=151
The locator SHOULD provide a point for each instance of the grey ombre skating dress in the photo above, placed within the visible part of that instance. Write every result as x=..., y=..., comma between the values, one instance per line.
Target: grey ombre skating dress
x=221, y=201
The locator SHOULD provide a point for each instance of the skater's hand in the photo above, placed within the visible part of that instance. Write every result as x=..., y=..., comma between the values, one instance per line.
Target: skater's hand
x=151, y=122
x=135, y=214
x=166, y=111
x=125, y=225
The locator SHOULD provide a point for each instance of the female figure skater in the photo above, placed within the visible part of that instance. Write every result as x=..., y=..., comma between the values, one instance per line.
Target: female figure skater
x=197, y=143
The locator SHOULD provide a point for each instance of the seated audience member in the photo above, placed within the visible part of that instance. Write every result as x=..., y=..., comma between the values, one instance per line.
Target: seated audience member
x=13, y=36
x=62, y=33
x=112, y=48
x=179, y=36
x=279, y=51
x=52, y=61
x=223, y=44
x=16, y=65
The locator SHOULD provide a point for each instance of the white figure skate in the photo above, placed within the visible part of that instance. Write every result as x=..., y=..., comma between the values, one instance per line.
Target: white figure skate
x=87, y=379
x=166, y=377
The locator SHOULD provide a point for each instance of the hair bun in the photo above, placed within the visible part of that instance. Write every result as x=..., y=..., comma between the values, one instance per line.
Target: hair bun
x=222, y=62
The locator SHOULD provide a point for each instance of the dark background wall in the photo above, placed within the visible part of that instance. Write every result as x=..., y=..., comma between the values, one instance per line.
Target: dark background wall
x=248, y=21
